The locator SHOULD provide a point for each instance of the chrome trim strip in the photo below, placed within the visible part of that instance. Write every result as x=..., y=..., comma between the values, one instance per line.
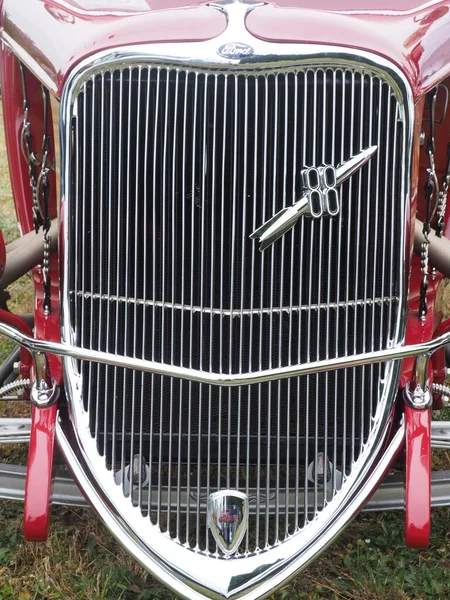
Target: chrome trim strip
x=14, y=431
x=223, y=379
x=238, y=312
x=29, y=62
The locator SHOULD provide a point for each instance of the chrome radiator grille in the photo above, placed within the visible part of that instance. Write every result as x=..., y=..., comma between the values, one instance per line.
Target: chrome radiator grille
x=171, y=170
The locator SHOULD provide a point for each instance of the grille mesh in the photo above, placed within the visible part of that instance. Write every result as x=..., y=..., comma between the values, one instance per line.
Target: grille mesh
x=171, y=171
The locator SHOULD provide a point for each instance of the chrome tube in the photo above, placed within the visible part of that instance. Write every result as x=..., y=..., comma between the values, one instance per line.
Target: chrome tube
x=14, y=430
x=438, y=249
x=27, y=252
x=222, y=379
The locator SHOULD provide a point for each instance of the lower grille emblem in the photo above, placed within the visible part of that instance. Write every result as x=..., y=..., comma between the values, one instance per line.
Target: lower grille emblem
x=228, y=519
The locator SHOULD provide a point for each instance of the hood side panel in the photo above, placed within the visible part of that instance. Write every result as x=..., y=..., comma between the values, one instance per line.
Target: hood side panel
x=415, y=36
x=57, y=36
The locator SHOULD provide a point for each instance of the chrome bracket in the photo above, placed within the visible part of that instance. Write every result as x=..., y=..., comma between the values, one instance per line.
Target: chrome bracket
x=44, y=392
x=416, y=393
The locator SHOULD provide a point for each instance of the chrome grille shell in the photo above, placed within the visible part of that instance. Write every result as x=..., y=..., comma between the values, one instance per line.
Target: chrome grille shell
x=381, y=412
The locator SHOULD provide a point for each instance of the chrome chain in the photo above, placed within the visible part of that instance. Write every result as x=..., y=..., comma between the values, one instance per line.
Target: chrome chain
x=442, y=197
x=431, y=191
x=31, y=158
x=44, y=185
x=40, y=184
x=436, y=202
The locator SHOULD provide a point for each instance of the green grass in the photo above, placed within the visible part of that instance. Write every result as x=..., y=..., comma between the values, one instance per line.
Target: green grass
x=81, y=561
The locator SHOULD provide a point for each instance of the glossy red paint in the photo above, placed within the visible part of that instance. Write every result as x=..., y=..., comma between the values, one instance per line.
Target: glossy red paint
x=42, y=439
x=418, y=477
x=413, y=34
x=59, y=33
x=39, y=474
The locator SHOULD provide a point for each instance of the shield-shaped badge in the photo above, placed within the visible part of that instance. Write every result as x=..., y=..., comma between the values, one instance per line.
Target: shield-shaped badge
x=228, y=518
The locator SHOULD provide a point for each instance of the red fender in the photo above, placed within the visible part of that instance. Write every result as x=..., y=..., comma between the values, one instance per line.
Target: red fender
x=418, y=477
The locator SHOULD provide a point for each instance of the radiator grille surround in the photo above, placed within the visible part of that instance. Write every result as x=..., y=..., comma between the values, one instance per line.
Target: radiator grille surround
x=170, y=167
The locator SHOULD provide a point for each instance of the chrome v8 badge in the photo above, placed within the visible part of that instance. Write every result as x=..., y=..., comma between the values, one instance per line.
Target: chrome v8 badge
x=228, y=519
x=320, y=197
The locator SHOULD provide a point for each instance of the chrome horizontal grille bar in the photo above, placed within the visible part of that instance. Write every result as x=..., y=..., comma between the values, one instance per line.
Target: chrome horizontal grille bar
x=171, y=170
x=235, y=313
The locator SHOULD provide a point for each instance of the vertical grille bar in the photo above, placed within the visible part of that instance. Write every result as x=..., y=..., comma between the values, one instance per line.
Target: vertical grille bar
x=173, y=270
x=356, y=322
x=305, y=266
x=367, y=246
x=117, y=286
x=101, y=209
x=290, y=342
x=333, y=410
x=90, y=222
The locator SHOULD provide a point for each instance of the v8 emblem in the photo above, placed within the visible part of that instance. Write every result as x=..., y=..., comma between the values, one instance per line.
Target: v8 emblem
x=320, y=197
x=320, y=189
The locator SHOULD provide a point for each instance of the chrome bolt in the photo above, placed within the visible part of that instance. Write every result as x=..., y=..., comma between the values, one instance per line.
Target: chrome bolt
x=422, y=138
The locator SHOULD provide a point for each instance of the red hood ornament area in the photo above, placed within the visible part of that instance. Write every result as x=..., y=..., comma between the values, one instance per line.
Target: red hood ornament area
x=226, y=411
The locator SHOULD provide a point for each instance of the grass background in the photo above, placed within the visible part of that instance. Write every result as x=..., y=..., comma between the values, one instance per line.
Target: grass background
x=81, y=561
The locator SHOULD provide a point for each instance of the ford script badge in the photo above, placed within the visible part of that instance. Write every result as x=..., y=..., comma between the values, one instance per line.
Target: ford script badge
x=228, y=519
x=235, y=50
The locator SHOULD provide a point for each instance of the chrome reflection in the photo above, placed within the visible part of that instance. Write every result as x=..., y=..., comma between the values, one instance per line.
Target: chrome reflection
x=228, y=519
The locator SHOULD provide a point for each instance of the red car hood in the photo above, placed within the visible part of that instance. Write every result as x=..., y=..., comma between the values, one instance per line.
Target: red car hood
x=59, y=33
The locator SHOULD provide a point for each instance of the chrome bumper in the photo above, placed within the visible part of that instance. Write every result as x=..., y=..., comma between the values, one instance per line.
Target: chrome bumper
x=389, y=496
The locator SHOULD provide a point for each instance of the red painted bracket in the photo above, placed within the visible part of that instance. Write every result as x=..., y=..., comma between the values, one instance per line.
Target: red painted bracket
x=418, y=477
x=38, y=484
x=40, y=454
